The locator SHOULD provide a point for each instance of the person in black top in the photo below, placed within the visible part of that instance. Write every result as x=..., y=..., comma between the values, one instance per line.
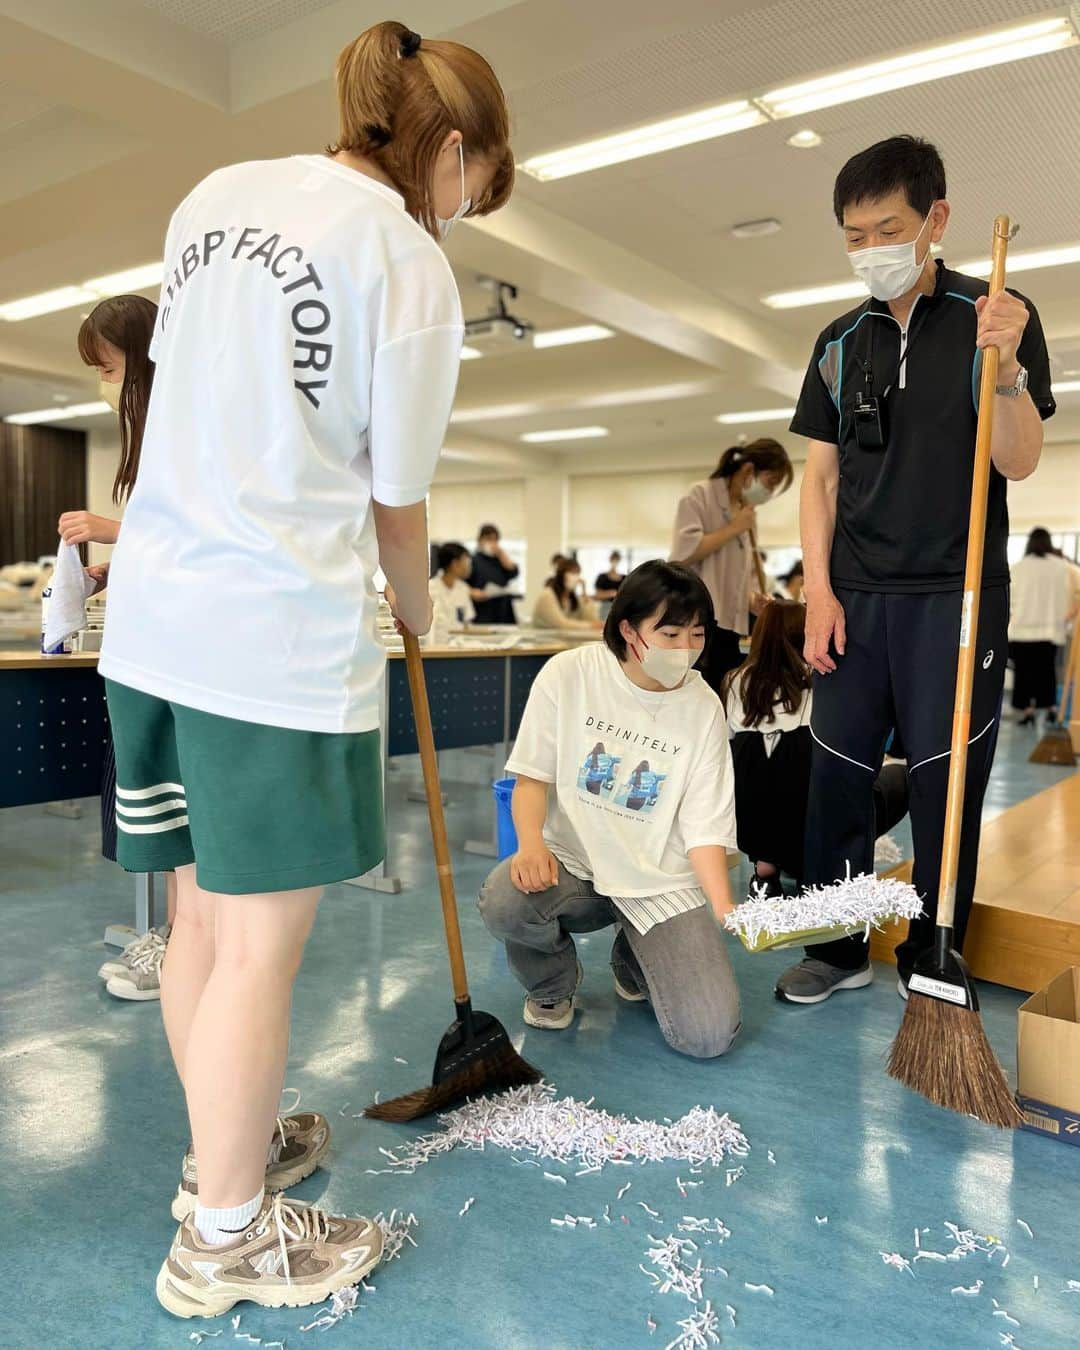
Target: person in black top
x=608, y=583
x=889, y=407
x=492, y=567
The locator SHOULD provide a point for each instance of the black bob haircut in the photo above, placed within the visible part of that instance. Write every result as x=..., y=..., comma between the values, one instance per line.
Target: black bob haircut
x=450, y=553
x=675, y=592
x=906, y=162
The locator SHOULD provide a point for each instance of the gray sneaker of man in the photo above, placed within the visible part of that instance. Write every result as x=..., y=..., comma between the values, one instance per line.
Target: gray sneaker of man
x=813, y=981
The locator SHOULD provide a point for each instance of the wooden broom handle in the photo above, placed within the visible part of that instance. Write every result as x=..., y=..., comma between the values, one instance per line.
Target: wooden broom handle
x=969, y=614
x=425, y=738
x=1071, y=684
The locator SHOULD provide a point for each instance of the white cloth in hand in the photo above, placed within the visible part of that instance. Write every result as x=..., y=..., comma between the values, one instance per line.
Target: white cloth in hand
x=71, y=588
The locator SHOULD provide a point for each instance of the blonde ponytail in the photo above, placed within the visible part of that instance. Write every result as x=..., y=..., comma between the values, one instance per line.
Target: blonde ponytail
x=400, y=96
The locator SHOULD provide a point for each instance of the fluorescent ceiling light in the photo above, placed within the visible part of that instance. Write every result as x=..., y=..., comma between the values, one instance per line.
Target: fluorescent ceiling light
x=1067, y=387
x=1029, y=261
x=66, y=297
x=134, y=279
x=97, y=288
x=816, y=295
x=27, y=419
x=647, y=140
x=564, y=337
x=470, y=354
x=916, y=67
x=568, y=434
x=762, y=415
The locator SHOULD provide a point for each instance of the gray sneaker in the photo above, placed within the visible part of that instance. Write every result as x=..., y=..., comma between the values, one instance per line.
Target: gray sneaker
x=813, y=981
x=121, y=965
x=552, y=1016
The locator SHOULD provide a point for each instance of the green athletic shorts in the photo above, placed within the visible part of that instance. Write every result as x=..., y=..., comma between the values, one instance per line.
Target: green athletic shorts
x=255, y=808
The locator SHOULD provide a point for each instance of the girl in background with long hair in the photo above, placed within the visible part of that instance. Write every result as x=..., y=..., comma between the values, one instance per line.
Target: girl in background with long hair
x=768, y=700
x=114, y=338
x=559, y=605
x=714, y=535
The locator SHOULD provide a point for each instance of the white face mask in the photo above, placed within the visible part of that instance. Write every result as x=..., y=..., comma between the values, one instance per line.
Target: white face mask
x=489, y=549
x=668, y=666
x=110, y=393
x=891, y=270
x=445, y=226
x=756, y=493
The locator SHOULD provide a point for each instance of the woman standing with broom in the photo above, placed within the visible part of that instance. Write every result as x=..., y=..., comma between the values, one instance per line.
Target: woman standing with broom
x=307, y=351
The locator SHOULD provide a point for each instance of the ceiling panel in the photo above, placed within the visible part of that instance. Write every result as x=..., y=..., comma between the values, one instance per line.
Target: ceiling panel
x=237, y=20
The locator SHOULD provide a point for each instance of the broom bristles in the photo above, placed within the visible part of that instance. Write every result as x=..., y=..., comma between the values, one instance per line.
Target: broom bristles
x=942, y=1052
x=498, y=1072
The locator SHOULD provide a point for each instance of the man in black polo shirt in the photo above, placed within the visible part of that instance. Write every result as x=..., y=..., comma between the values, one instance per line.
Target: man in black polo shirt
x=889, y=408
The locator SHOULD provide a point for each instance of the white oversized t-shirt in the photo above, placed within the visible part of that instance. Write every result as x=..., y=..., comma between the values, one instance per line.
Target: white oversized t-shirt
x=640, y=778
x=307, y=350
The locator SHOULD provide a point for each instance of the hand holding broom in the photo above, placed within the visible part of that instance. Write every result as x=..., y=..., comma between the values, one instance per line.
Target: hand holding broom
x=942, y=1050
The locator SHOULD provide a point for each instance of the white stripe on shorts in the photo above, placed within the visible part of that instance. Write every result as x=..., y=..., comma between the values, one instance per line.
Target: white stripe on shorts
x=159, y=828
x=159, y=809
x=646, y=911
x=140, y=794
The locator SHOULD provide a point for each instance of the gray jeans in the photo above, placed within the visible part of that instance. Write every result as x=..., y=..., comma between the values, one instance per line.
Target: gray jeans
x=682, y=963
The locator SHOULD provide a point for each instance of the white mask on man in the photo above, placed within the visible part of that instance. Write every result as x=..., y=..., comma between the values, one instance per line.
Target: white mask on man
x=891, y=270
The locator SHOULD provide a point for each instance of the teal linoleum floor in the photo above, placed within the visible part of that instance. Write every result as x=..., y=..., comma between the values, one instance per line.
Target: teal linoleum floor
x=91, y=1133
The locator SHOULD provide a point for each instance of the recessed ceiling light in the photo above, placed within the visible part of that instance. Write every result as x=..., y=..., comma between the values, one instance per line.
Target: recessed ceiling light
x=756, y=229
x=804, y=140
x=670, y=134
x=566, y=434
x=917, y=67
x=761, y=415
x=27, y=419
x=470, y=354
x=1029, y=261
x=565, y=337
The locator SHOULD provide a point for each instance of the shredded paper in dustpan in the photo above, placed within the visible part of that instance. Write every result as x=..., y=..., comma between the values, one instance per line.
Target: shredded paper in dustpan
x=822, y=913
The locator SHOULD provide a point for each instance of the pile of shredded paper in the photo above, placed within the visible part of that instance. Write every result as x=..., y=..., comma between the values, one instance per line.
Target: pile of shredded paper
x=858, y=903
x=531, y=1120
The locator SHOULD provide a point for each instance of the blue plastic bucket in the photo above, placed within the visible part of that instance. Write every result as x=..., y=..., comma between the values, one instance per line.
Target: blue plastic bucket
x=504, y=821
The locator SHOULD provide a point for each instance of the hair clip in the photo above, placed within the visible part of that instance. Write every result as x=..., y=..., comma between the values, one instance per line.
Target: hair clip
x=379, y=136
x=410, y=44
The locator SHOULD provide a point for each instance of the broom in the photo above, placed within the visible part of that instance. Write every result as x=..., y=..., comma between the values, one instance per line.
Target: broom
x=475, y=1056
x=1056, y=746
x=942, y=1050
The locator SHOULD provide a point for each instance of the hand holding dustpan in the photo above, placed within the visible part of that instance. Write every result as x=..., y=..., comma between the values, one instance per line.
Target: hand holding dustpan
x=822, y=913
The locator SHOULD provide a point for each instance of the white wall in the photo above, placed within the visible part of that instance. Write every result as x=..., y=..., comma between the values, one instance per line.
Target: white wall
x=102, y=460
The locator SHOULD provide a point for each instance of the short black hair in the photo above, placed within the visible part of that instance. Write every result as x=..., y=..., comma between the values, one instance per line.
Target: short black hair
x=489, y=531
x=678, y=593
x=906, y=162
x=450, y=553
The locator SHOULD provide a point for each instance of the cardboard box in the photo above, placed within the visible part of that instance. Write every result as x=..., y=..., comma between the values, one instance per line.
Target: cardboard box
x=1048, y=1058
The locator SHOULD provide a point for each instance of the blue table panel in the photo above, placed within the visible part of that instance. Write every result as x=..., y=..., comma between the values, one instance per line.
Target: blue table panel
x=53, y=730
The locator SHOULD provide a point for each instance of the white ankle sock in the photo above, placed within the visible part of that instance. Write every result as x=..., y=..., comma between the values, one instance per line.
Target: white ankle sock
x=220, y=1227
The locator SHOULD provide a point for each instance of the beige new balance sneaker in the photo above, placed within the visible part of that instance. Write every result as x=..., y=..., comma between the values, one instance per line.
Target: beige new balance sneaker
x=290, y=1255
x=298, y=1146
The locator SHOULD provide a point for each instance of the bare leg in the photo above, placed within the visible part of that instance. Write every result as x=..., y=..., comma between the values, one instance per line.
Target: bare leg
x=189, y=958
x=237, y=1045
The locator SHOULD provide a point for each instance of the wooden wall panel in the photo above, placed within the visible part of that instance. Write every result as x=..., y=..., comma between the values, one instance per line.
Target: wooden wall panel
x=42, y=473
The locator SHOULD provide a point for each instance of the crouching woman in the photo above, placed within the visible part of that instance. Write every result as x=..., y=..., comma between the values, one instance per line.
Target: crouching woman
x=604, y=842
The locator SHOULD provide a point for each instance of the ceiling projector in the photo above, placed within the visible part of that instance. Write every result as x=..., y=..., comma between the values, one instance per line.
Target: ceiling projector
x=499, y=330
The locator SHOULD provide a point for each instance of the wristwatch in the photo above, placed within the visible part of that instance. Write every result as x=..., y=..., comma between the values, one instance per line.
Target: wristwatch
x=1014, y=390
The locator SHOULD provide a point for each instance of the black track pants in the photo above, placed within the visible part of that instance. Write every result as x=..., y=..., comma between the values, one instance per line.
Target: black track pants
x=900, y=670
